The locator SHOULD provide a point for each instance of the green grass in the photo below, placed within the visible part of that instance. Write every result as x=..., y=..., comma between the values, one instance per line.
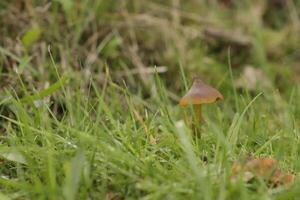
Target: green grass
x=81, y=119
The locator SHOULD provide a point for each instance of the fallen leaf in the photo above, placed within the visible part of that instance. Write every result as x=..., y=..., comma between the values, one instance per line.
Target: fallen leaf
x=288, y=178
x=13, y=155
x=261, y=166
x=275, y=180
x=231, y=37
x=111, y=196
x=280, y=178
x=248, y=176
x=251, y=78
x=265, y=168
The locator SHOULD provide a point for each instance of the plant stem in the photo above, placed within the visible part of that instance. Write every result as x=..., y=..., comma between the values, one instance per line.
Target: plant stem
x=198, y=120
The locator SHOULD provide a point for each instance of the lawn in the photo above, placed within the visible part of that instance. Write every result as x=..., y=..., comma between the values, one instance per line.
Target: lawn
x=90, y=91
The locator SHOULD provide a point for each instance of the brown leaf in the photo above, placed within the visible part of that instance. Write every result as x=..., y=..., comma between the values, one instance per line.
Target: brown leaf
x=231, y=37
x=251, y=78
x=111, y=196
x=280, y=178
x=287, y=179
x=261, y=166
x=275, y=180
x=265, y=168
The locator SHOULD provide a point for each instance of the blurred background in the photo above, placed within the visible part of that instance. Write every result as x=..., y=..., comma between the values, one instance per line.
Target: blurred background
x=259, y=40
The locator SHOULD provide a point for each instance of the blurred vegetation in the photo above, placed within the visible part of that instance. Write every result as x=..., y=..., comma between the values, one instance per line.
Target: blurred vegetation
x=77, y=72
x=129, y=36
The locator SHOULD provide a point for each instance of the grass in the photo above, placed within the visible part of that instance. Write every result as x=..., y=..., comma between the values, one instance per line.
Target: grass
x=82, y=117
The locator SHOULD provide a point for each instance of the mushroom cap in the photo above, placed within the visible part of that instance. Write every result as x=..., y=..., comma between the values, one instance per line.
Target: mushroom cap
x=200, y=93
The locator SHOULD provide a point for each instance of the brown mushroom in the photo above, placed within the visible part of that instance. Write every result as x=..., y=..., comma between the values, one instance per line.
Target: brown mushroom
x=200, y=93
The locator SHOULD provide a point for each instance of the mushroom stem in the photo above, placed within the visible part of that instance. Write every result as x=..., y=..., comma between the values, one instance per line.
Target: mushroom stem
x=197, y=109
x=198, y=119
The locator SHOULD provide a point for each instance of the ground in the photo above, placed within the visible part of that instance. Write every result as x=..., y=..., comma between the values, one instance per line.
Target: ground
x=90, y=89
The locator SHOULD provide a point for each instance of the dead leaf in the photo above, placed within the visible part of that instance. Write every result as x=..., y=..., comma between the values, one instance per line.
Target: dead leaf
x=275, y=180
x=261, y=166
x=265, y=168
x=288, y=178
x=13, y=155
x=252, y=78
x=231, y=37
x=248, y=176
x=280, y=178
x=111, y=196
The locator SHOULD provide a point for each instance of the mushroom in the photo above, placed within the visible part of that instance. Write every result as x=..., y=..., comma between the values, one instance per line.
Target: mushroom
x=200, y=93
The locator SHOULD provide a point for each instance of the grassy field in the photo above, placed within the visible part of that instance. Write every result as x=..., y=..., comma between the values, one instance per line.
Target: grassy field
x=89, y=95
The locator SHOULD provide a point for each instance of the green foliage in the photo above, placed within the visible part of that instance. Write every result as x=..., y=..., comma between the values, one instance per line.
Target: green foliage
x=31, y=36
